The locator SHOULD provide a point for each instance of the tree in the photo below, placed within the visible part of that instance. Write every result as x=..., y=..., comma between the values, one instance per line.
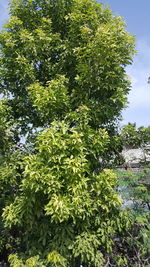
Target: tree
x=63, y=75
x=133, y=137
x=130, y=136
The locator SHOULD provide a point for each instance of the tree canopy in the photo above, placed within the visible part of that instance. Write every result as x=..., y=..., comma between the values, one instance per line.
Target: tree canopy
x=134, y=137
x=59, y=55
x=63, y=80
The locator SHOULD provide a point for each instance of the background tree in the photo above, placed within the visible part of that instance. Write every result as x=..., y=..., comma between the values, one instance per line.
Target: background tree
x=63, y=74
x=134, y=186
x=133, y=137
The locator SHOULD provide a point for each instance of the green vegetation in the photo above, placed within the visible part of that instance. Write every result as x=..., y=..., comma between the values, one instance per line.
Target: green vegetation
x=135, y=190
x=134, y=187
x=63, y=81
x=133, y=137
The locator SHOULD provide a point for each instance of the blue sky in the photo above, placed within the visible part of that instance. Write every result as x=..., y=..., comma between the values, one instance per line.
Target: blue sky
x=136, y=15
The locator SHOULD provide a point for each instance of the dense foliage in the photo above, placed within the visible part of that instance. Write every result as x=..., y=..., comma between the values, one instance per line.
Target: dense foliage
x=134, y=186
x=63, y=80
x=133, y=137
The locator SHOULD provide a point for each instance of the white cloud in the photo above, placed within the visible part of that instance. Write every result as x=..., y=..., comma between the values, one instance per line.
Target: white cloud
x=139, y=73
x=139, y=96
x=3, y=11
